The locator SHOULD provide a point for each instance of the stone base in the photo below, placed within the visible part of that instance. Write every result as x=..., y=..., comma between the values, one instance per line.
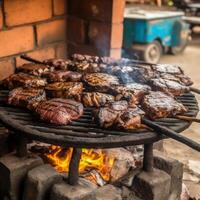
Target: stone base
x=39, y=182
x=84, y=190
x=153, y=185
x=13, y=171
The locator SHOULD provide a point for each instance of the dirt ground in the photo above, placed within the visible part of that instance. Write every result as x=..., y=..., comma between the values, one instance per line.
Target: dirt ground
x=190, y=61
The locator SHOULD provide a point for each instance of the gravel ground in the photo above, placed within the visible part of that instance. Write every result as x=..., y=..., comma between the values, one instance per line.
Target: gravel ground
x=190, y=62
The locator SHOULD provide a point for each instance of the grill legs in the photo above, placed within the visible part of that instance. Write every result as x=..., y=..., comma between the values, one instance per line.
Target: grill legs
x=74, y=166
x=21, y=145
x=148, y=157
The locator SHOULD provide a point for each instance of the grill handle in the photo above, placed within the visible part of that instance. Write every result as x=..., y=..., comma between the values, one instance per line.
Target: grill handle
x=31, y=59
x=195, y=90
x=172, y=134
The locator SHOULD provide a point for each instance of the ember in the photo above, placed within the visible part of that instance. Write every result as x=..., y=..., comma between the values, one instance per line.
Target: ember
x=91, y=159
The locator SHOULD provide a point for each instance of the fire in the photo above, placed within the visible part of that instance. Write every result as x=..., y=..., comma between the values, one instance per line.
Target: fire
x=90, y=159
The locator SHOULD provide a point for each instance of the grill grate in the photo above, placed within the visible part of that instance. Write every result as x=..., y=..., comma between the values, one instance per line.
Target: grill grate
x=86, y=133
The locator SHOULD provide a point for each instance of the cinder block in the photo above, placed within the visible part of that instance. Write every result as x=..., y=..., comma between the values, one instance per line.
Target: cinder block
x=172, y=167
x=153, y=185
x=13, y=171
x=6, y=68
x=84, y=190
x=59, y=7
x=108, y=192
x=39, y=182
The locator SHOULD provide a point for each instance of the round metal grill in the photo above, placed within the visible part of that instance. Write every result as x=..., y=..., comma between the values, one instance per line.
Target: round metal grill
x=86, y=133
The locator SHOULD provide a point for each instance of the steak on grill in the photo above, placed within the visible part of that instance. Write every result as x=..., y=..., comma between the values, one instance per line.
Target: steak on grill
x=96, y=99
x=133, y=92
x=62, y=76
x=168, y=86
x=161, y=105
x=35, y=69
x=59, y=64
x=118, y=114
x=100, y=82
x=86, y=67
x=59, y=111
x=64, y=90
x=24, y=80
x=167, y=69
x=22, y=97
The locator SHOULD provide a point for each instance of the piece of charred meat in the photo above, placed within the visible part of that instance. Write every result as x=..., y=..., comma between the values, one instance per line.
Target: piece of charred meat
x=64, y=90
x=34, y=69
x=100, y=82
x=133, y=92
x=96, y=99
x=58, y=64
x=86, y=67
x=62, y=76
x=118, y=114
x=24, y=80
x=21, y=97
x=161, y=105
x=168, y=86
x=59, y=111
x=167, y=69
x=86, y=58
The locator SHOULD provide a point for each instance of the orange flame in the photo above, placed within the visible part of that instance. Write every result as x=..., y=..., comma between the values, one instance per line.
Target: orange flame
x=90, y=159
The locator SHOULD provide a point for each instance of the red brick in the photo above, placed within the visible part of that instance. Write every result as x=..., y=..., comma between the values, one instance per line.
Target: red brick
x=116, y=36
x=1, y=19
x=39, y=54
x=51, y=32
x=99, y=34
x=27, y=11
x=61, y=51
x=16, y=40
x=76, y=30
x=102, y=10
x=115, y=53
x=59, y=7
x=85, y=49
x=6, y=68
x=118, y=11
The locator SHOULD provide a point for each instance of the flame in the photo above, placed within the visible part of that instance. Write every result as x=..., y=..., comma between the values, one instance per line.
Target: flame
x=90, y=159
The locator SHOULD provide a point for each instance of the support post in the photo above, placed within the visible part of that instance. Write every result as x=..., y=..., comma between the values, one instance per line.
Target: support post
x=148, y=158
x=74, y=166
x=21, y=145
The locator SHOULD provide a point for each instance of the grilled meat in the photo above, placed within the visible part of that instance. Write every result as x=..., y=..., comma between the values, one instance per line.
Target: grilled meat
x=35, y=69
x=59, y=111
x=130, y=119
x=161, y=105
x=64, y=90
x=96, y=99
x=24, y=80
x=86, y=67
x=167, y=69
x=21, y=97
x=87, y=58
x=100, y=82
x=62, y=76
x=117, y=114
x=59, y=64
x=133, y=93
x=168, y=86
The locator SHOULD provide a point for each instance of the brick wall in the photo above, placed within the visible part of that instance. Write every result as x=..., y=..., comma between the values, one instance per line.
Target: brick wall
x=95, y=27
x=33, y=27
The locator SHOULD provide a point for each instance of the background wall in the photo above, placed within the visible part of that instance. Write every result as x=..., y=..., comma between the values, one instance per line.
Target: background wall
x=34, y=27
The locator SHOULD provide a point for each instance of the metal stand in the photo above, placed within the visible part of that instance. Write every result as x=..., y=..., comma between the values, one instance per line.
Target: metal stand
x=21, y=145
x=148, y=158
x=74, y=166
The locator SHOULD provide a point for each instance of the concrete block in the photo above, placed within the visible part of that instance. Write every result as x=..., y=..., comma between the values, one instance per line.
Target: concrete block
x=153, y=185
x=13, y=171
x=84, y=190
x=39, y=182
x=172, y=167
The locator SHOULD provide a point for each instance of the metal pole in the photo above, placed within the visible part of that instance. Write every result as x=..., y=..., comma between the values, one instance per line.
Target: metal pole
x=148, y=158
x=74, y=166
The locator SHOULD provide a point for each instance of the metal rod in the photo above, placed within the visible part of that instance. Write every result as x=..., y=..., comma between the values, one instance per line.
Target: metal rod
x=172, y=134
x=148, y=158
x=195, y=90
x=31, y=59
x=74, y=166
x=21, y=146
x=190, y=119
